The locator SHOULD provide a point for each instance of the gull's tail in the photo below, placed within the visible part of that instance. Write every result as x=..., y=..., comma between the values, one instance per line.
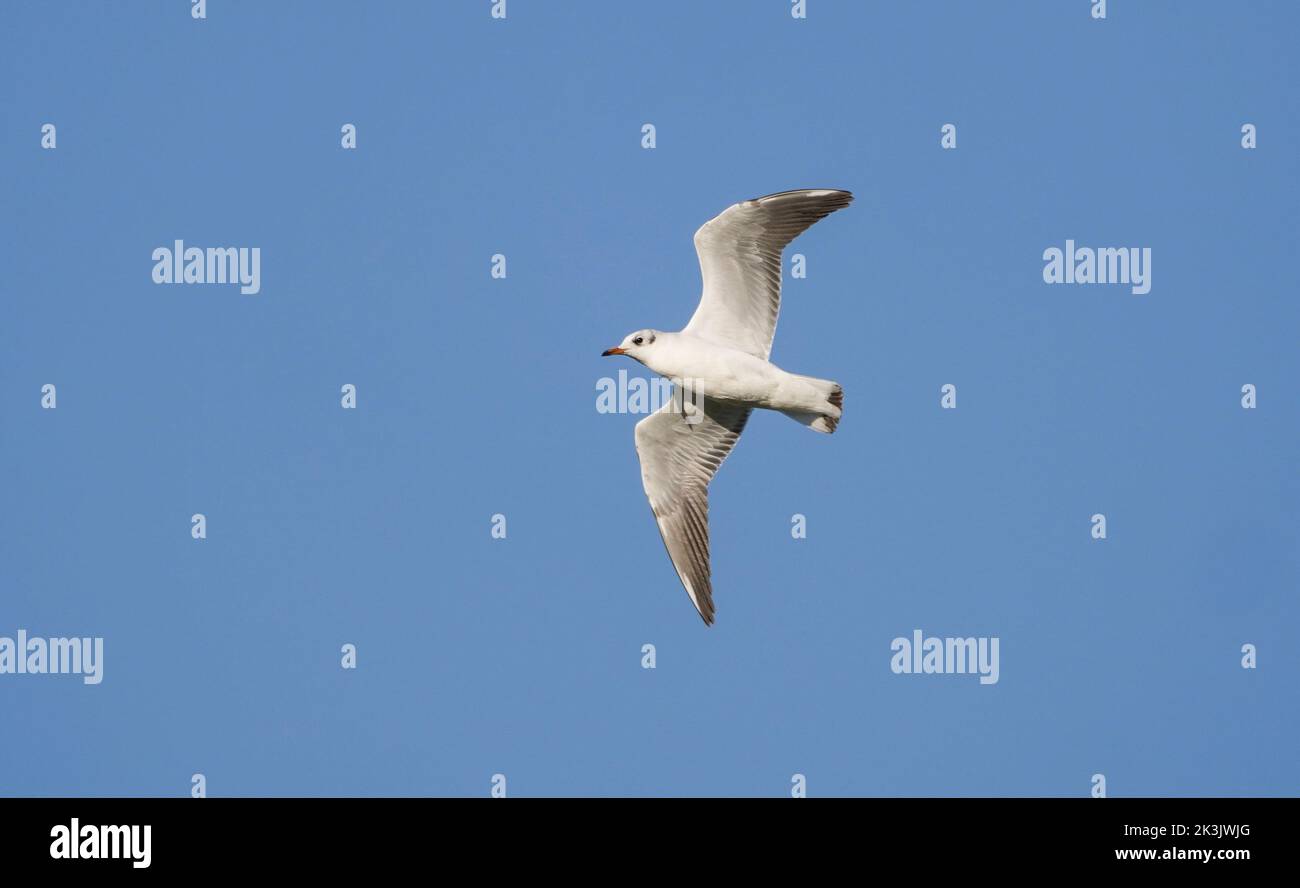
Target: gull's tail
x=829, y=406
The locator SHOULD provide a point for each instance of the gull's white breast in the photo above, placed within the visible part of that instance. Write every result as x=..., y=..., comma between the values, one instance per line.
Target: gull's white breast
x=729, y=374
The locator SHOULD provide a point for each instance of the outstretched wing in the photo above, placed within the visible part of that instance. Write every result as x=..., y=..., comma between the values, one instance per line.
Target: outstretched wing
x=740, y=260
x=678, y=459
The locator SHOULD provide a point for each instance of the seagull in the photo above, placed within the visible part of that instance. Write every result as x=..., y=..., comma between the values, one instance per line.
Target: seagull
x=720, y=359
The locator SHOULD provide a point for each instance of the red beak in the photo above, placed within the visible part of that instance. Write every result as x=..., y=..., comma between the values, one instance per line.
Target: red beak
x=612, y=351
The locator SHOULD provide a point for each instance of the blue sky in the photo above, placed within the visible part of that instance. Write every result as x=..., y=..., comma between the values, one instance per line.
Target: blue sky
x=476, y=396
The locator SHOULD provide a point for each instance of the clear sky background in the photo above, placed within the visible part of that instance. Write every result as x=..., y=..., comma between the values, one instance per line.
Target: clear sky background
x=477, y=396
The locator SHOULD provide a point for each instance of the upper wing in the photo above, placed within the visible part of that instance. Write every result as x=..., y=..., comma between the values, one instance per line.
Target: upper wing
x=678, y=459
x=740, y=260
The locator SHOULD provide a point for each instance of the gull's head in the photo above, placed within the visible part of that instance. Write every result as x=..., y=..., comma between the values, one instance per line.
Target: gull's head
x=634, y=345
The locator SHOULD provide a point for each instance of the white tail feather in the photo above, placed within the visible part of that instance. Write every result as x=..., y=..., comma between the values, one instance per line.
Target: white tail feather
x=826, y=419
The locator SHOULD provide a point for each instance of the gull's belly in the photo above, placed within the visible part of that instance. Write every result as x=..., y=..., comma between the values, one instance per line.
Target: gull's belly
x=731, y=375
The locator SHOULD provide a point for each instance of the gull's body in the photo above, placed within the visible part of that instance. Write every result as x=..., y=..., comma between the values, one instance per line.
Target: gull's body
x=730, y=374
x=720, y=365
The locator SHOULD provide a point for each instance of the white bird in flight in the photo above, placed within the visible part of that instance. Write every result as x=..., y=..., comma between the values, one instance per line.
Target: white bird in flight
x=720, y=358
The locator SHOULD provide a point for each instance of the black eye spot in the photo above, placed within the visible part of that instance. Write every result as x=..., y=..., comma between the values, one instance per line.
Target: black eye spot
x=636, y=341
